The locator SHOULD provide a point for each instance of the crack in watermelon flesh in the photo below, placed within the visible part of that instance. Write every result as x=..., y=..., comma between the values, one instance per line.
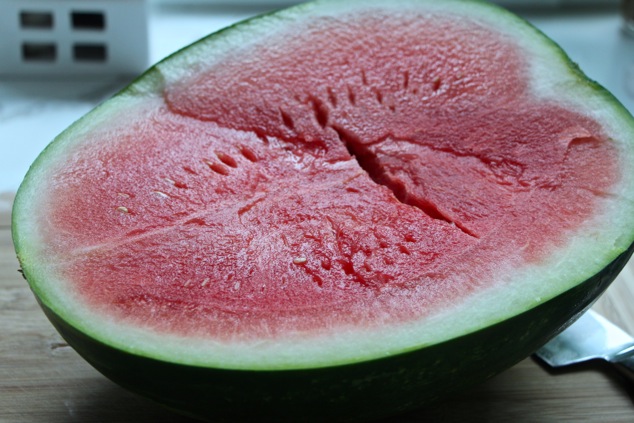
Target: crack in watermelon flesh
x=362, y=171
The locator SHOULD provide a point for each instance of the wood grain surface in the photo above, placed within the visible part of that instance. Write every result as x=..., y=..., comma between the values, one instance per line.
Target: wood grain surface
x=44, y=380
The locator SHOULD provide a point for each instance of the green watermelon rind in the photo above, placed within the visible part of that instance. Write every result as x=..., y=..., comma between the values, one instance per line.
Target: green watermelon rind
x=499, y=339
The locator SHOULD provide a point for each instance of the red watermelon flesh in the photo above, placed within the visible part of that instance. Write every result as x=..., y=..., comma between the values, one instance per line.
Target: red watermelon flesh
x=328, y=176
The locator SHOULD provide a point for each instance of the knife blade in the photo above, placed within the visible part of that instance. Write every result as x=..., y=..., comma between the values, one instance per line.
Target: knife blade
x=591, y=337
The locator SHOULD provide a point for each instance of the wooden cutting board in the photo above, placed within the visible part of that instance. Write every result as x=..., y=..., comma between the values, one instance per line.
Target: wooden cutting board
x=43, y=380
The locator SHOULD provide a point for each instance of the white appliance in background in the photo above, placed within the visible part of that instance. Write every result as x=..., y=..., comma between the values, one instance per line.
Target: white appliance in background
x=73, y=37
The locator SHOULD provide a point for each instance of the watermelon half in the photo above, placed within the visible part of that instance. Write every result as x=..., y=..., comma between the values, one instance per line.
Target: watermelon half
x=342, y=210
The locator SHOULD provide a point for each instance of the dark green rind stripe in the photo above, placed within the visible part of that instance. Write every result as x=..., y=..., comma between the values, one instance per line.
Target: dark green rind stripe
x=355, y=392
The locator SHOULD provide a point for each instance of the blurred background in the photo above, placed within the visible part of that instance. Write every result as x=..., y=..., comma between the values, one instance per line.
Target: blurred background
x=58, y=59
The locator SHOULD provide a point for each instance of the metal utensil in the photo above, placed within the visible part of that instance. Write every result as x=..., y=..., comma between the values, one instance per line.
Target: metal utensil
x=591, y=337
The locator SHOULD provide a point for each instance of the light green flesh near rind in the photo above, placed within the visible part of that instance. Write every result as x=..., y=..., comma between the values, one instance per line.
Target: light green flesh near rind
x=597, y=242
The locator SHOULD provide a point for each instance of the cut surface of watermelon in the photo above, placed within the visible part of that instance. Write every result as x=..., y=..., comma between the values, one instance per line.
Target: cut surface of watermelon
x=330, y=184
